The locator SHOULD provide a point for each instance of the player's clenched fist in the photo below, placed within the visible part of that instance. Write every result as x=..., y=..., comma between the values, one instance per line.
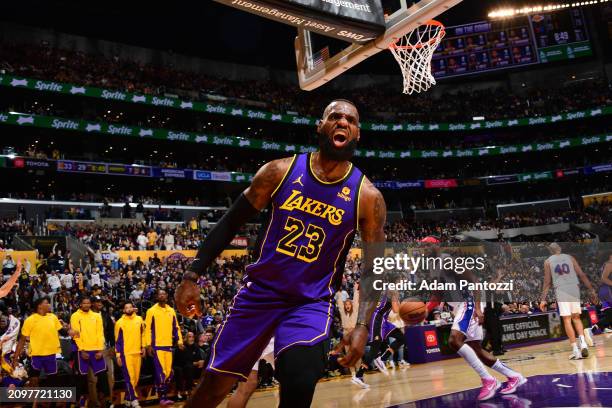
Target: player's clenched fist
x=187, y=296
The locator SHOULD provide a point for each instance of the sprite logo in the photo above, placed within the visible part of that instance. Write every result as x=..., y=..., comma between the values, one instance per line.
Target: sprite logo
x=116, y=95
x=271, y=145
x=119, y=130
x=430, y=153
x=178, y=136
x=465, y=153
x=223, y=141
x=256, y=114
x=300, y=121
x=48, y=86
x=64, y=124
x=380, y=126
x=162, y=101
x=215, y=109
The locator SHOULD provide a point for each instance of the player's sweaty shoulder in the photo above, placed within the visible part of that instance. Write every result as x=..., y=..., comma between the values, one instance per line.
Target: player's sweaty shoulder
x=266, y=180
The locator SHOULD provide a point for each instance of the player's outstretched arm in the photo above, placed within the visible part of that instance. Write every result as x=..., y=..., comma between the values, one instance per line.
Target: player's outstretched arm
x=255, y=198
x=372, y=216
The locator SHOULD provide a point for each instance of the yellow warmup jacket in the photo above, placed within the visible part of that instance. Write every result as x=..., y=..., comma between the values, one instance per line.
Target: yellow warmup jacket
x=91, y=331
x=162, y=327
x=129, y=334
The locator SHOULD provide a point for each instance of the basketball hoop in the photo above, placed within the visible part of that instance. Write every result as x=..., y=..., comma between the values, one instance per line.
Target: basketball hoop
x=414, y=51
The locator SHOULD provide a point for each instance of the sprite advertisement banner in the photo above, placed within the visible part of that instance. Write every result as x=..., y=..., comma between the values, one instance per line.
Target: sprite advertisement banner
x=172, y=102
x=52, y=122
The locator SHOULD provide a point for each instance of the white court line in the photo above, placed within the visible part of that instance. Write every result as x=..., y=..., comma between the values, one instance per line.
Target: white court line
x=564, y=386
x=556, y=379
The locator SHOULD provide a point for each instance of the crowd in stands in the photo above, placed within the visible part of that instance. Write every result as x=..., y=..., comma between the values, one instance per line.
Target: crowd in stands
x=116, y=280
x=44, y=62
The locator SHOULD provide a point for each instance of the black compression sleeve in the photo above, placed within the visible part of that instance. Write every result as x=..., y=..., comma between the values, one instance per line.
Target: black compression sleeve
x=222, y=233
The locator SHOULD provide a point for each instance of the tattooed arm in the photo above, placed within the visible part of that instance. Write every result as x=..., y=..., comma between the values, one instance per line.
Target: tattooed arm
x=372, y=216
x=255, y=198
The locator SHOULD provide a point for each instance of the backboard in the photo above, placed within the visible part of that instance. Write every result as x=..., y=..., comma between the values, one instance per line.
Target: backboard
x=316, y=68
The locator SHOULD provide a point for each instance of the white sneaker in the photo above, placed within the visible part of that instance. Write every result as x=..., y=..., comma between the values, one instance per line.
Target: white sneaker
x=358, y=381
x=575, y=356
x=135, y=404
x=392, y=364
x=588, y=337
x=403, y=363
x=381, y=366
x=606, y=330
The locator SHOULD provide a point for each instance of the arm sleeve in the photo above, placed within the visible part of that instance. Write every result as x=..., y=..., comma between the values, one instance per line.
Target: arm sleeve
x=222, y=233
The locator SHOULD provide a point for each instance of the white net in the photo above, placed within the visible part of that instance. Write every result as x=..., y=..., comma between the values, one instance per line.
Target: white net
x=414, y=51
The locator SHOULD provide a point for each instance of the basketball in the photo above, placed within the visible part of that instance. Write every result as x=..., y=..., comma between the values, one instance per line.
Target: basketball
x=412, y=311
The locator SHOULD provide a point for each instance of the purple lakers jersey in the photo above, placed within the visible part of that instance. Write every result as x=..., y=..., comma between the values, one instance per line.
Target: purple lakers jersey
x=311, y=229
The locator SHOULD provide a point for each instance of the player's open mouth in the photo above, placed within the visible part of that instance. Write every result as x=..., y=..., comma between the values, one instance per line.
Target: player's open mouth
x=339, y=140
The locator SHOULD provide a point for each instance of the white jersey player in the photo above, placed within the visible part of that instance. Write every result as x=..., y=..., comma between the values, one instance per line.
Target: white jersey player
x=562, y=272
x=466, y=332
x=243, y=393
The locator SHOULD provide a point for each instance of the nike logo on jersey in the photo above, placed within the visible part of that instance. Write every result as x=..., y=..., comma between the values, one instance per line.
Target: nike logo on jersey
x=296, y=201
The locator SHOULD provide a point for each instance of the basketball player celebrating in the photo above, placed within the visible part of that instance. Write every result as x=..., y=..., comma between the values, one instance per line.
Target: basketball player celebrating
x=41, y=329
x=563, y=270
x=317, y=202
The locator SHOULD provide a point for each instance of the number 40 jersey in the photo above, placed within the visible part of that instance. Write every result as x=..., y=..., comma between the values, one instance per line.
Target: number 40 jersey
x=564, y=278
x=311, y=229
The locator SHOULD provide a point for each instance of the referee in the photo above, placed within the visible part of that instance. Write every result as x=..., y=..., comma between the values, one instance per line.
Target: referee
x=492, y=323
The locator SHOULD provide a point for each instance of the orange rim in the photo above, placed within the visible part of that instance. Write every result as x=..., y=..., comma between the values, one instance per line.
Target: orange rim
x=431, y=41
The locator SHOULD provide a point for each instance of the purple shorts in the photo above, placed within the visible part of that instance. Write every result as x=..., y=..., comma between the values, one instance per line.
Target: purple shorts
x=97, y=366
x=256, y=316
x=48, y=364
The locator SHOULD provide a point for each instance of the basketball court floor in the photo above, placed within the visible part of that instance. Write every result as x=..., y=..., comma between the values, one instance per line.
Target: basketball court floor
x=554, y=381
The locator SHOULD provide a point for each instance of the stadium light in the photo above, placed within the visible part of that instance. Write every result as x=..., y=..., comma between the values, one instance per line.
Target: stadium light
x=511, y=12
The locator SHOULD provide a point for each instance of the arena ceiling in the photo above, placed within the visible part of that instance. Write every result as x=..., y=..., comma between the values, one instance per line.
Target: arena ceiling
x=205, y=28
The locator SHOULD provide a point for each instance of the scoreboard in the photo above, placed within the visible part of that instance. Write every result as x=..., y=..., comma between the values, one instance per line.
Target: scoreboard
x=492, y=45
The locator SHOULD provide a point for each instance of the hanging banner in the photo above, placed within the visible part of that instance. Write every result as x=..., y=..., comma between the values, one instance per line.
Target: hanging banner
x=172, y=102
x=114, y=129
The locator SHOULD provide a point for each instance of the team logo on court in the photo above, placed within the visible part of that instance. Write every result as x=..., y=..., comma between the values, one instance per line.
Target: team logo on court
x=431, y=339
x=344, y=194
x=298, y=181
